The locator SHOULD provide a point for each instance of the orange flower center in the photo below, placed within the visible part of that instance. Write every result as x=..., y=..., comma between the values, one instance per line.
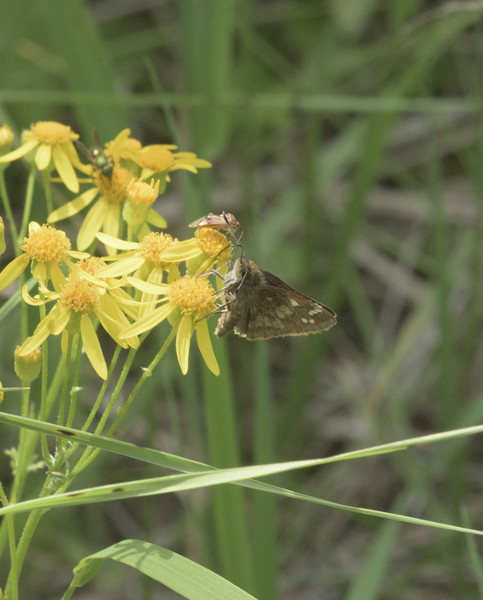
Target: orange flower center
x=193, y=295
x=153, y=244
x=50, y=132
x=214, y=243
x=91, y=265
x=79, y=296
x=156, y=158
x=47, y=244
x=114, y=188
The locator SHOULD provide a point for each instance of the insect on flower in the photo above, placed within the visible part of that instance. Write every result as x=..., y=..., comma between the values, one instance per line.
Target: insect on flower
x=225, y=221
x=260, y=306
x=96, y=155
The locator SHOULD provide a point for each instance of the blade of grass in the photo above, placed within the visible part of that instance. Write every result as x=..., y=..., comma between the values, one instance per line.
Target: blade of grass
x=80, y=44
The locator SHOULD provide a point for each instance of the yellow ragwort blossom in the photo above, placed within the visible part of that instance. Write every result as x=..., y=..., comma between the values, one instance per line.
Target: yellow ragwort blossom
x=203, y=252
x=158, y=159
x=140, y=196
x=111, y=193
x=47, y=248
x=78, y=301
x=55, y=150
x=146, y=256
x=187, y=303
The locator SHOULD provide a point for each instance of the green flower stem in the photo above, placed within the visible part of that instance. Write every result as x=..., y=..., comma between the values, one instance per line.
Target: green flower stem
x=22, y=463
x=8, y=212
x=13, y=548
x=75, y=384
x=98, y=401
x=44, y=391
x=65, y=381
x=103, y=389
x=87, y=458
x=129, y=233
x=28, y=202
x=48, y=191
x=147, y=373
x=25, y=539
x=31, y=441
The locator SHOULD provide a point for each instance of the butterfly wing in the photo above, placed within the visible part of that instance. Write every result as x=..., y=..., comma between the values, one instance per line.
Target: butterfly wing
x=280, y=312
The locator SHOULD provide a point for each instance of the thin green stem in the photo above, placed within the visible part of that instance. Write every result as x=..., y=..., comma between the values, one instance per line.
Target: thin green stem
x=9, y=213
x=75, y=384
x=44, y=393
x=13, y=556
x=65, y=381
x=21, y=469
x=28, y=202
x=13, y=548
x=102, y=390
x=147, y=373
x=48, y=190
x=87, y=457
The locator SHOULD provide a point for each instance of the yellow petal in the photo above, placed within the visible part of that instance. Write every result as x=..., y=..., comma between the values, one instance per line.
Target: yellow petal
x=183, y=340
x=74, y=206
x=156, y=220
x=65, y=168
x=19, y=152
x=111, y=220
x=40, y=272
x=109, y=240
x=43, y=156
x=13, y=270
x=206, y=349
x=118, y=143
x=59, y=323
x=147, y=323
x=150, y=288
x=41, y=333
x=92, y=224
x=57, y=276
x=124, y=299
x=114, y=321
x=92, y=346
x=182, y=251
x=121, y=267
x=184, y=166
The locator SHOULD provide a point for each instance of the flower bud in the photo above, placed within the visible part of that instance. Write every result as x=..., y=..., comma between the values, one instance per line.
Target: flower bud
x=28, y=366
x=6, y=139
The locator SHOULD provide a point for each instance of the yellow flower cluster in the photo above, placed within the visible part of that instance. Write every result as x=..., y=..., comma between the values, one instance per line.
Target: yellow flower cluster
x=139, y=283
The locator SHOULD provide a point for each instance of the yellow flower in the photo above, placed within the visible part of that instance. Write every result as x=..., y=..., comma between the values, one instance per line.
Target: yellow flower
x=187, y=303
x=147, y=254
x=140, y=196
x=55, y=150
x=202, y=252
x=158, y=158
x=144, y=257
x=123, y=147
x=46, y=247
x=105, y=214
x=78, y=300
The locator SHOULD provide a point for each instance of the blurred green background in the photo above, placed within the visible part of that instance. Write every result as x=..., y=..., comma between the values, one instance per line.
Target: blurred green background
x=346, y=137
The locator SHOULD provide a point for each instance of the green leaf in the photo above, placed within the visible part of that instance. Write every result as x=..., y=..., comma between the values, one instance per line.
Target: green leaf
x=173, y=570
